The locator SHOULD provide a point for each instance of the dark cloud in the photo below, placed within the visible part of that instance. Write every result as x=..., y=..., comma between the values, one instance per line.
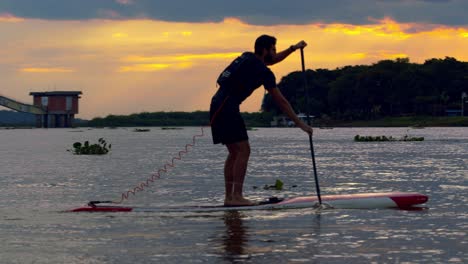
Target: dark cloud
x=261, y=12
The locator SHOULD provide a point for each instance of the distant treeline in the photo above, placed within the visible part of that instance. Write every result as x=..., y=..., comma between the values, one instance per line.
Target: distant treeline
x=198, y=118
x=388, y=88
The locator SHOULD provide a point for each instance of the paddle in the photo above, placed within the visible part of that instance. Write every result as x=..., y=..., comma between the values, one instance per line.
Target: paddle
x=317, y=187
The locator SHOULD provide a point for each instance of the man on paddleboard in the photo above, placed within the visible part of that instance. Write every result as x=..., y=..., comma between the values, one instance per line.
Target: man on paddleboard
x=237, y=82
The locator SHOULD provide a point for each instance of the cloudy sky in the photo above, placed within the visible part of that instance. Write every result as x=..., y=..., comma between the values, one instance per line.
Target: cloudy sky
x=130, y=56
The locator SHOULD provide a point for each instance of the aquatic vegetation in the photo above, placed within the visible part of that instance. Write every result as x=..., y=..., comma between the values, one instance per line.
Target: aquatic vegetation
x=277, y=186
x=409, y=138
x=141, y=130
x=359, y=138
x=95, y=149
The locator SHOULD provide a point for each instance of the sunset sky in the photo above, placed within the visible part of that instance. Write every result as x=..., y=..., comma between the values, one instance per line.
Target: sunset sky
x=131, y=56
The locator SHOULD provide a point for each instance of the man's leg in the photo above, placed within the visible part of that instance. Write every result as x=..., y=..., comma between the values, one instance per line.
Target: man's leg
x=234, y=172
x=229, y=174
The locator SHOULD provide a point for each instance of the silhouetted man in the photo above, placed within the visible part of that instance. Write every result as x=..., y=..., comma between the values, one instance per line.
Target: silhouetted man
x=237, y=82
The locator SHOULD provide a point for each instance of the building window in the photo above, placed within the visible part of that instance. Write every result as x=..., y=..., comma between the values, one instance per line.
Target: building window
x=44, y=101
x=68, y=105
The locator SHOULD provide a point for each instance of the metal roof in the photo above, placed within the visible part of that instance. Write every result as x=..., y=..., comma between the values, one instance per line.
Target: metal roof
x=55, y=93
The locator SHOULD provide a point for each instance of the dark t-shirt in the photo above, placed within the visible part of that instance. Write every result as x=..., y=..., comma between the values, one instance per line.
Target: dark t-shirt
x=245, y=74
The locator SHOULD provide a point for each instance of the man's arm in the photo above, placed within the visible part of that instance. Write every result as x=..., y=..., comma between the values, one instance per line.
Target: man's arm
x=285, y=106
x=285, y=53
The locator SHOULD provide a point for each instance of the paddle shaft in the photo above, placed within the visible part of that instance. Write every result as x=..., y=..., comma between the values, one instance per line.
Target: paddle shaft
x=317, y=186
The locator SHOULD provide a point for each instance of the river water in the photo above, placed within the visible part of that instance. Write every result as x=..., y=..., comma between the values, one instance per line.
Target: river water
x=39, y=180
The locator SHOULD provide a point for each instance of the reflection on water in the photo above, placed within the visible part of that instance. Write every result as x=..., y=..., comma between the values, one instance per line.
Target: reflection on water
x=39, y=179
x=243, y=240
x=235, y=238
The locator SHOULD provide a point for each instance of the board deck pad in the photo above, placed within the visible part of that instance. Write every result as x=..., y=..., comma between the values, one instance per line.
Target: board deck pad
x=402, y=200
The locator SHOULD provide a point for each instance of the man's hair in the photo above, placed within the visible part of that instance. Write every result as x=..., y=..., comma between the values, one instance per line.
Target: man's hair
x=264, y=42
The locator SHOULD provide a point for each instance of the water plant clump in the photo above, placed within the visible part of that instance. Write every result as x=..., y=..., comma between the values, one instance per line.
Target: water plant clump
x=359, y=138
x=141, y=130
x=277, y=186
x=87, y=149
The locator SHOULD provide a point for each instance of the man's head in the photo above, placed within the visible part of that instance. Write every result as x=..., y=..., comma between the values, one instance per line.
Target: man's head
x=266, y=46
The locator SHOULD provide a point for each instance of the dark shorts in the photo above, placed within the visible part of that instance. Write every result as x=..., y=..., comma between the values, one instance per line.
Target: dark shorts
x=228, y=125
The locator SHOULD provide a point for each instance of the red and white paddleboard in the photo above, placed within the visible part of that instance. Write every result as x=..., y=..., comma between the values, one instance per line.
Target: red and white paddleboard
x=402, y=200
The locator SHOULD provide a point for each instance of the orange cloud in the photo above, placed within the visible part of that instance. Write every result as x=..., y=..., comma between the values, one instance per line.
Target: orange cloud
x=463, y=33
x=384, y=28
x=176, y=61
x=144, y=67
x=183, y=57
x=46, y=70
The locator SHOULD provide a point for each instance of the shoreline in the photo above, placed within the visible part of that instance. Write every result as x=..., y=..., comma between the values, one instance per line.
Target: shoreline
x=407, y=121
x=251, y=120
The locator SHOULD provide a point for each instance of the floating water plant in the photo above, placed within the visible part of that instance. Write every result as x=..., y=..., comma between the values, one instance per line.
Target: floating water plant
x=141, y=130
x=359, y=138
x=95, y=149
x=409, y=138
x=277, y=186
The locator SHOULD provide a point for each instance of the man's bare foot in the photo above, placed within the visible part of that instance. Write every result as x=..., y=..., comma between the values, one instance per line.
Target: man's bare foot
x=238, y=201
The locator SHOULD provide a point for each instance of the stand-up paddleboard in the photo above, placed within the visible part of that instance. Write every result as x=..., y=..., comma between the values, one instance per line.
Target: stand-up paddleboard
x=400, y=200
